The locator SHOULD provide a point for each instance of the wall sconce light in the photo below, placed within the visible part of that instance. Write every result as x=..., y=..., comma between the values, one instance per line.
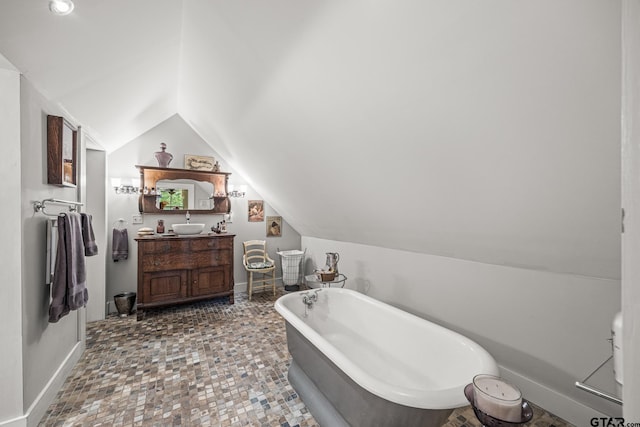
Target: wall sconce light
x=121, y=188
x=237, y=193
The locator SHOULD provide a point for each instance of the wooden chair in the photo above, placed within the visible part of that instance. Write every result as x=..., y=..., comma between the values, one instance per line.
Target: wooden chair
x=256, y=261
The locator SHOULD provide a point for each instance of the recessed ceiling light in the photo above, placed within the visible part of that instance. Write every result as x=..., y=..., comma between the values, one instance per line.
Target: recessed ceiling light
x=61, y=7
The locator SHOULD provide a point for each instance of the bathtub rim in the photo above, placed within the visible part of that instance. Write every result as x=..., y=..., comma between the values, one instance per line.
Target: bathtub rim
x=448, y=398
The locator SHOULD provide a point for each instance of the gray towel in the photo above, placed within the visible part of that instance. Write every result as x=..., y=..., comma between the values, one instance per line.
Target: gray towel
x=120, y=245
x=90, y=247
x=69, y=290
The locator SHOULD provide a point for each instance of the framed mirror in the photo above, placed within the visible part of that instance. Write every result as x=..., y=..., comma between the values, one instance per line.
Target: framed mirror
x=169, y=190
x=62, y=147
x=184, y=194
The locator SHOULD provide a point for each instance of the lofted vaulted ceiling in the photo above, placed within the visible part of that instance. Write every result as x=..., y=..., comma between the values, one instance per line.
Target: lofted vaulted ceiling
x=480, y=130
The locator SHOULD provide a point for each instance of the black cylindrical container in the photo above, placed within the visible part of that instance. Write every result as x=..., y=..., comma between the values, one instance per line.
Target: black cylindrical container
x=125, y=302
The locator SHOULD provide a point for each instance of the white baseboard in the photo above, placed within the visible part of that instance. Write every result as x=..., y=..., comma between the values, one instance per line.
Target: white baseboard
x=48, y=394
x=16, y=422
x=242, y=286
x=558, y=404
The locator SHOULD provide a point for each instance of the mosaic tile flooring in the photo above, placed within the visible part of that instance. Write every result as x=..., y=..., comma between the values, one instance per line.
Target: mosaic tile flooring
x=205, y=364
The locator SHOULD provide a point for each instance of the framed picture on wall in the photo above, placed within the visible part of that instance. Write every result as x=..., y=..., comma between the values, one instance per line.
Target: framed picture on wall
x=256, y=210
x=274, y=226
x=199, y=163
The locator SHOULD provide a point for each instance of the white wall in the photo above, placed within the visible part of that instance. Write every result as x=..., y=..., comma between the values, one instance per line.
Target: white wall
x=95, y=204
x=546, y=330
x=631, y=204
x=49, y=350
x=11, y=366
x=37, y=355
x=180, y=140
x=486, y=131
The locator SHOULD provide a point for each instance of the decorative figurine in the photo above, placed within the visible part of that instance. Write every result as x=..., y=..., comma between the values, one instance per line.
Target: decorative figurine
x=216, y=167
x=163, y=157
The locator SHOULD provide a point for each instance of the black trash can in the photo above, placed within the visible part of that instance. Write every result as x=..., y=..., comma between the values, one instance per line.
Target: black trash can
x=124, y=303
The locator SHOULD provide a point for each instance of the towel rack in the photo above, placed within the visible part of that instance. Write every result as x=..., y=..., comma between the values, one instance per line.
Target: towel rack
x=120, y=224
x=40, y=206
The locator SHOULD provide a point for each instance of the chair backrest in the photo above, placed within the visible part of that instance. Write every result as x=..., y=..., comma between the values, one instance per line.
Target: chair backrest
x=255, y=251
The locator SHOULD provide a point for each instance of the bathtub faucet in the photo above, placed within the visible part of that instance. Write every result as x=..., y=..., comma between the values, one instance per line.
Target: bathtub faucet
x=309, y=298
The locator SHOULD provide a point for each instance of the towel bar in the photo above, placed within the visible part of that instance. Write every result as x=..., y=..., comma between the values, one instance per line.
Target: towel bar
x=40, y=206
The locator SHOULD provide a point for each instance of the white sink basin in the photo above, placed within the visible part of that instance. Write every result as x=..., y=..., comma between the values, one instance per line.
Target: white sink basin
x=187, y=228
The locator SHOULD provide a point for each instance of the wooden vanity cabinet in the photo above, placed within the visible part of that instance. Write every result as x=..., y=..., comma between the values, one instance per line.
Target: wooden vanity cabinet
x=182, y=269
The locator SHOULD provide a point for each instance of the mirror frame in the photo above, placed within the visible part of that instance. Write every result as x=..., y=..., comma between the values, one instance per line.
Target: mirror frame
x=150, y=175
x=62, y=142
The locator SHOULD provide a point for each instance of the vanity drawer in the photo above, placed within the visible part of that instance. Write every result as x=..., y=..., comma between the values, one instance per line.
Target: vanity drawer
x=160, y=262
x=161, y=246
x=213, y=258
x=209, y=244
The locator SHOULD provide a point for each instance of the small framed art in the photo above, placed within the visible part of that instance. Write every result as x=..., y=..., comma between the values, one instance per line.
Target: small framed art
x=256, y=211
x=199, y=163
x=274, y=226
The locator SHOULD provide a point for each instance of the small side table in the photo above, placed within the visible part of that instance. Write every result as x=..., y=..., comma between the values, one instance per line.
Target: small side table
x=312, y=280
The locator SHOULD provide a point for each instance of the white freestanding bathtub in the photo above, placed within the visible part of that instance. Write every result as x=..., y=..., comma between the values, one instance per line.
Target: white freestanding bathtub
x=359, y=362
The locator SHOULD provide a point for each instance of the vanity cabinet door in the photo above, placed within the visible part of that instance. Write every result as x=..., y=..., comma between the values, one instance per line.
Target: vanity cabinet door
x=162, y=286
x=209, y=281
x=165, y=246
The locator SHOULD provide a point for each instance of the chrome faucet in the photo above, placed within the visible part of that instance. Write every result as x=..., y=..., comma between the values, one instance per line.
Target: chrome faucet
x=188, y=216
x=308, y=298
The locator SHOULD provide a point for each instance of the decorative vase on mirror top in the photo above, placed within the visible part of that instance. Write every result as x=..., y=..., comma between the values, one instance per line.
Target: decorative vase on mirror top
x=163, y=157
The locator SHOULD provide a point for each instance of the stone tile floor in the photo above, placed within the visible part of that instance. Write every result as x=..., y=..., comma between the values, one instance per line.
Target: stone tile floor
x=209, y=364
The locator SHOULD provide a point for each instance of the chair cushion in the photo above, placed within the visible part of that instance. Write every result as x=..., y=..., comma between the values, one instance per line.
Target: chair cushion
x=258, y=265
